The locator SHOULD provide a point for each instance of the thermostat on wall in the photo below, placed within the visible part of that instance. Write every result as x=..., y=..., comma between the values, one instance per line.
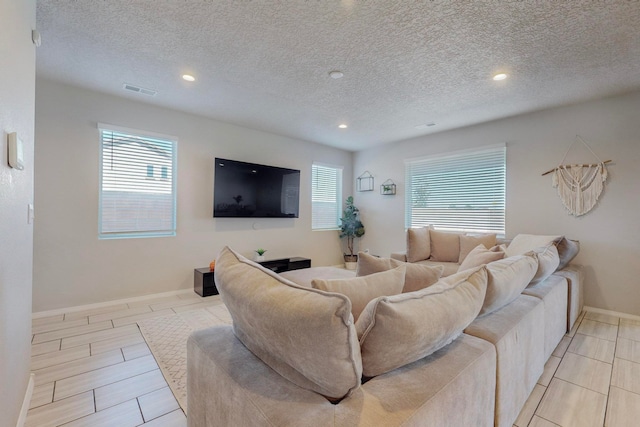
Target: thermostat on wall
x=16, y=154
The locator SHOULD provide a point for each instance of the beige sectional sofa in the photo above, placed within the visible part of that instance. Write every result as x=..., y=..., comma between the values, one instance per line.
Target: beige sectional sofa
x=480, y=378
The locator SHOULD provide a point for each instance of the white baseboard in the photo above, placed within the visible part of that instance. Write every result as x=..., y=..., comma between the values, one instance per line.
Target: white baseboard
x=55, y=312
x=611, y=313
x=26, y=402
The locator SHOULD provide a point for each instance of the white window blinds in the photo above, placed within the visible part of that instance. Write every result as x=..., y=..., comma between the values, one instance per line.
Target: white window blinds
x=326, y=197
x=462, y=191
x=137, y=184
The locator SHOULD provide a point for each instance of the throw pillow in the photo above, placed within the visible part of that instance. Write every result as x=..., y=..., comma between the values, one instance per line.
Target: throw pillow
x=418, y=244
x=481, y=255
x=548, y=260
x=400, y=329
x=303, y=334
x=418, y=276
x=567, y=250
x=507, y=278
x=361, y=290
x=469, y=242
x=445, y=247
x=524, y=243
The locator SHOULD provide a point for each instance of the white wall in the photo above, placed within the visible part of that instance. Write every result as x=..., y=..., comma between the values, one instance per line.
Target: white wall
x=72, y=267
x=17, y=85
x=609, y=234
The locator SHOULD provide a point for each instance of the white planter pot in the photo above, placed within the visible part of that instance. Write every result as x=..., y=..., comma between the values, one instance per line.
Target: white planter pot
x=258, y=258
x=350, y=265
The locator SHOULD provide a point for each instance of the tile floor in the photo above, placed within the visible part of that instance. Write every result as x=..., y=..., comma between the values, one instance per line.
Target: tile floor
x=592, y=379
x=93, y=368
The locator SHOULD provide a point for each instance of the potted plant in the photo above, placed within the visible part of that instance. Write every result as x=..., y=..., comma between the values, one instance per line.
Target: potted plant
x=259, y=254
x=350, y=228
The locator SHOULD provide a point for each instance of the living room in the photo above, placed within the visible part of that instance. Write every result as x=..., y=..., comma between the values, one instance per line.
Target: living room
x=66, y=265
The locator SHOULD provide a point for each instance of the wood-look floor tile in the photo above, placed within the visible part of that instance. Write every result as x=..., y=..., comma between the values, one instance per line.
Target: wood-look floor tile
x=629, y=330
x=562, y=346
x=116, y=342
x=101, y=335
x=536, y=421
x=149, y=301
x=626, y=375
x=194, y=296
x=133, y=319
x=45, y=347
x=172, y=304
x=172, y=419
x=135, y=351
x=196, y=306
x=55, y=326
x=42, y=395
x=126, y=414
x=76, y=367
x=103, y=376
x=157, y=403
x=569, y=405
x=549, y=369
x=592, y=347
x=598, y=329
x=628, y=350
x=629, y=321
x=62, y=411
x=585, y=372
x=57, y=357
x=221, y=312
x=71, y=332
x=623, y=408
x=119, y=314
x=601, y=317
x=128, y=388
x=94, y=311
x=45, y=320
x=530, y=406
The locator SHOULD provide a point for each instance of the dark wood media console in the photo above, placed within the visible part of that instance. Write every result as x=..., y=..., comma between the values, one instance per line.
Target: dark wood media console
x=204, y=283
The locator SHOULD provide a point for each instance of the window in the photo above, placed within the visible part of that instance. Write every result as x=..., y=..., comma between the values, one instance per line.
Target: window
x=462, y=191
x=326, y=197
x=132, y=203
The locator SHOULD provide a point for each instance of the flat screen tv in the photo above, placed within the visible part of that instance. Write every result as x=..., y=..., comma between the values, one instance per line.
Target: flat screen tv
x=249, y=190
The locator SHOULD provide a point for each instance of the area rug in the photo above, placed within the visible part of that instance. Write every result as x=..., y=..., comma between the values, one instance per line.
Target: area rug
x=167, y=337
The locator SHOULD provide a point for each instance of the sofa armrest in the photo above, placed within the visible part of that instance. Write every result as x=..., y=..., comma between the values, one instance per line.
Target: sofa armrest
x=400, y=256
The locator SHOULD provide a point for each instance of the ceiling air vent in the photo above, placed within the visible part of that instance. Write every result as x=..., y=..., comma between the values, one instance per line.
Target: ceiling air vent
x=139, y=89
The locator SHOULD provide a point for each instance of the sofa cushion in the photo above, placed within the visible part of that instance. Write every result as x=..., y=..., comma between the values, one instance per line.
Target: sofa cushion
x=548, y=260
x=567, y=250
x=418, y=276
x=401, y=329
x=469, y=242
x=445, y=246
x=361, y=290
x=524, y=243
x=418, y=244
x=306, y=335
x=481, y=255
x=506, y=280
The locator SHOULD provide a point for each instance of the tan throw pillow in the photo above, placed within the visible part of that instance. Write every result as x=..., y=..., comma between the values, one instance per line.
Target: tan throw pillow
x=567, y=250
x=418, y=244
x=397, y=330
x=524, y=243
x=304, y=334
x=481, y=255
x=445, y=247
x=548, y=260
x=361, y=290
x=507, y=279
x=418, y=276
x=469, y=242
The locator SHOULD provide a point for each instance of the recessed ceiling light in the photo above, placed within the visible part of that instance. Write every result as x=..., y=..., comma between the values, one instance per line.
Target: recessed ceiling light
x=342, y=126
x=500, y=76
x=336, y=74
x=188, y=77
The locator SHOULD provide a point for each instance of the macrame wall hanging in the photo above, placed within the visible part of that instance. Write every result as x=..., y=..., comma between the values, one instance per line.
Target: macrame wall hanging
x=579, y=186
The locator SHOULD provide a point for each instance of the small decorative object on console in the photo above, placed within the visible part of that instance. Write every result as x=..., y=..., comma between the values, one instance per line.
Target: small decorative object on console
x=212, y=265
x=259, y=254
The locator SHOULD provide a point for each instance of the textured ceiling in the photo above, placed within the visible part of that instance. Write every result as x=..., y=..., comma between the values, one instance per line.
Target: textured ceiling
x=264, y=64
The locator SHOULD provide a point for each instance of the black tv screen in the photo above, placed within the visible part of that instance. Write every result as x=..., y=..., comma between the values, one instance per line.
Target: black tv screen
x=249, y=190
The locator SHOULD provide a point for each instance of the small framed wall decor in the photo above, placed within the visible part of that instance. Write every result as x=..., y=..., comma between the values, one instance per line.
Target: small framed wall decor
x=388, y=188
x=364, y=182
